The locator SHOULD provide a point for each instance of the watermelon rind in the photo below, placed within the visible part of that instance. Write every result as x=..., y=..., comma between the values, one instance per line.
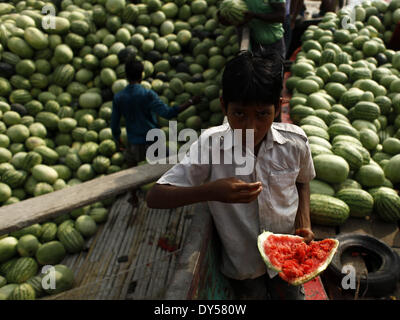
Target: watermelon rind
x=260, y=241
x=297, y=281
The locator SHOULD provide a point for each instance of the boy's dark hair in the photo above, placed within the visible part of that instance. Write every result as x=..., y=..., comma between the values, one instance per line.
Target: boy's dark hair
x=249, y=79
x=133, y=70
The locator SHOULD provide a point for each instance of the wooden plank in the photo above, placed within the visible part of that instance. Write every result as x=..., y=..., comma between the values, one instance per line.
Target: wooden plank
x=141, y=270
x=356, y=225
x=128, y=268
x=386, y=232
x=115, y=246
x=118, y=287
x=389, y=233
x=51, y=205
x=181, y=283
x=156, y=287
x=87, y=267
x=245, y=42
x=169, y=269
x=323, y=232
x=157, y=255
x=98, y=274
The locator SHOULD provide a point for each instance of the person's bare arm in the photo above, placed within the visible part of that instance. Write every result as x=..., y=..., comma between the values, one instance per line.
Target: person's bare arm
x=230, y=190
x=295, y=8
x=278, y=16
x=222, y=20
x=303, y=220
x=193, y=100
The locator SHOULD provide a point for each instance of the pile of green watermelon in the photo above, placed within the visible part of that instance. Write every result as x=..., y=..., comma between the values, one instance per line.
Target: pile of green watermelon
x=233, y=11
x=345, y=86
x=56, y=91
x=25, y=252
x=57, y=85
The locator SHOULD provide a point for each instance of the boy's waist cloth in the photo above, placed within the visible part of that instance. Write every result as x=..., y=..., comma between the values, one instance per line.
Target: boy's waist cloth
x=139, y=140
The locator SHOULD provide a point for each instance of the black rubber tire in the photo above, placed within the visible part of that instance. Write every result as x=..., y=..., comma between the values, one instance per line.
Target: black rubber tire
x=378, y=283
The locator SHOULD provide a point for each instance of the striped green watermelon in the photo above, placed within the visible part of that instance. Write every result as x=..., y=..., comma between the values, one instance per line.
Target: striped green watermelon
x=342, y=129
x=49, y=232
x=311, y=130
x=321, y=187
x=86, y=225
x=370, y=175
x=320, y=141
x=23, y=291
x=7, y=290
x=8, y=248
x=32, y=159
x=298, y=112
x=331, y=168
x=317, y=149
x=360, y=202
x=23, y=269
x=14, y=178
x=366, y=110
x=387, y=206
x=63, y=75
x=50, y=253
x=348, y=183
x=34, y=229
x=71, y=239
x=28, y=245
x=36, y=283
x=350, y=154
x=327, y=210
x=64, y=279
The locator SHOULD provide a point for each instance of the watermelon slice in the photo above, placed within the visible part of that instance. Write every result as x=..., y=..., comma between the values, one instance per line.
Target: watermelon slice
x=295, y=261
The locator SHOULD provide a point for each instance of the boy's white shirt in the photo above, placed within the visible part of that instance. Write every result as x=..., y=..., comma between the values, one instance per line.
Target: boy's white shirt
x=284, y=158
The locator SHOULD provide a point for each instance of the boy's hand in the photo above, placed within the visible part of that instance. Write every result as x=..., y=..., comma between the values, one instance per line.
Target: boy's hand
x=233, y=190
x=193, y=100
x=248, y=16
x=292, y=23
x=306, y=233
x=120, y=145
x=222, y=20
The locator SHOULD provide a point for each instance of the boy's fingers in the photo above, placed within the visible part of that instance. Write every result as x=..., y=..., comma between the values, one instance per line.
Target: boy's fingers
x=249, y=196
x=247, y=186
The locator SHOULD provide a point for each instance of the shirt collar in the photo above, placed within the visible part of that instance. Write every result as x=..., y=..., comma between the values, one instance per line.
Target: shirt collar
x=227, y=141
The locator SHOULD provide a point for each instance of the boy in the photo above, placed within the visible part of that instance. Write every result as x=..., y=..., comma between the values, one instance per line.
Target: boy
x=139, y=107
x=274, y=196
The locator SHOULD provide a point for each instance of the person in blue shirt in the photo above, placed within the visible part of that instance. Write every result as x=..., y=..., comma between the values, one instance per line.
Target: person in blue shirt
x=139, y=107
x=287, y=27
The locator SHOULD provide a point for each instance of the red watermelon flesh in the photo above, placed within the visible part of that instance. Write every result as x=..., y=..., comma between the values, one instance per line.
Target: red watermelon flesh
x=295, y=261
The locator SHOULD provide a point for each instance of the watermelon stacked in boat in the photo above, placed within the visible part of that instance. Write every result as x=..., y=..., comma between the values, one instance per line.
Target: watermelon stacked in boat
x=57, y=84
x=345, y=85
x=296, y=261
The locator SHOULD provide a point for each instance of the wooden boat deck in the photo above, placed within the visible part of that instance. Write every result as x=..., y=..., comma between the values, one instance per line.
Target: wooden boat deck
x=129, y=257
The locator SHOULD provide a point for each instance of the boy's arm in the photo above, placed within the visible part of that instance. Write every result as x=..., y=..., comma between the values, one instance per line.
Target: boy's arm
x=188, y=182
x=303, y=220
x=295, y=9
x=306, y=174
x=115, y=121
x=160, y=108
x=229, y=190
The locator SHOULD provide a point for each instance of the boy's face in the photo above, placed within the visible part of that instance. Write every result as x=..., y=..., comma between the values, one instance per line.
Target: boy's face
x=256, y=117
